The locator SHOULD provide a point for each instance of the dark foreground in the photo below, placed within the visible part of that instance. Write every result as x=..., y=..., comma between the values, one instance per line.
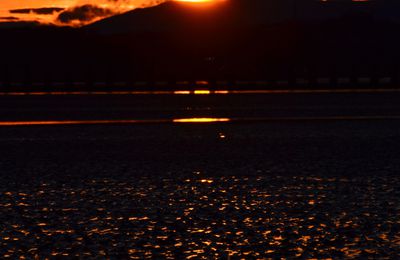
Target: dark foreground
x=268, y=189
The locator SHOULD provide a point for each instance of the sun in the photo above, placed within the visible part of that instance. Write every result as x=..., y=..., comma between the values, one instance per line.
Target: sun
x=198, y=1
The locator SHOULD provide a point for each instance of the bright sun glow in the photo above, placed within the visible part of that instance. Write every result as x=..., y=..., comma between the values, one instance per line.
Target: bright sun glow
x=199, y=1
x=194, y=1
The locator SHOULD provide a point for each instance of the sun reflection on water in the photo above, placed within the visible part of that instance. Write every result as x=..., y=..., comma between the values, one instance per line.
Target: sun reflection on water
x=197, y=216
x=202, y=92
x=201, y=120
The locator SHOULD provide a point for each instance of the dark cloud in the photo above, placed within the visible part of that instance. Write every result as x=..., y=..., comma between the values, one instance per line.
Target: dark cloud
x=41, y=11
x=85, y=13
x=9, y=18
x=20, y=11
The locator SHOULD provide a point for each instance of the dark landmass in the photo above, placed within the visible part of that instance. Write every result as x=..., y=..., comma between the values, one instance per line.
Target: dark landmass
x=172, y=16
x=9, y=26
x=228, y=42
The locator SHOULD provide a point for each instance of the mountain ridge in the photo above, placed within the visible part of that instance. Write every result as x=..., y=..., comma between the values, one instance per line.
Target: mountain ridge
x=172, y=16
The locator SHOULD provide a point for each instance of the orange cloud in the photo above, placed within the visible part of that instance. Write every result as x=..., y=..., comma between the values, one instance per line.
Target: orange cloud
x=85, y=11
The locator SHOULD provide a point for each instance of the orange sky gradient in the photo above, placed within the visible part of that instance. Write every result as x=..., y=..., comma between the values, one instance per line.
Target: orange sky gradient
x=117, y=6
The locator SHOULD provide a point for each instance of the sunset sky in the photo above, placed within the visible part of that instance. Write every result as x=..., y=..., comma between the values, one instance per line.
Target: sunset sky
x=114, y=5
x=79, y=12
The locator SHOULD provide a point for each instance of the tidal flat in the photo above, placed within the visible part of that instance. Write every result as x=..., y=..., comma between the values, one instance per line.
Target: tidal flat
x=284, y=189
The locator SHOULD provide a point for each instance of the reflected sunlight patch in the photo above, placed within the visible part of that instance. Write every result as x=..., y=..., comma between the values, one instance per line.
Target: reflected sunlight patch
x=202, y=92
x=201, y=120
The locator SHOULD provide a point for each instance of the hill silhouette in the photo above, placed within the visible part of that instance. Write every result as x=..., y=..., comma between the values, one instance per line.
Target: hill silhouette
x=237, y=40
x=172, y=16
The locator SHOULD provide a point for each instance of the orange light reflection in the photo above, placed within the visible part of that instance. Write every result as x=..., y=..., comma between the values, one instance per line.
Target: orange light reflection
x=201, y=120
x=182, y=92
x=202, y=92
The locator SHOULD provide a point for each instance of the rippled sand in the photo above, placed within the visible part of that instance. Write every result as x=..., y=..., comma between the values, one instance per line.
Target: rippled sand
x=195, y=216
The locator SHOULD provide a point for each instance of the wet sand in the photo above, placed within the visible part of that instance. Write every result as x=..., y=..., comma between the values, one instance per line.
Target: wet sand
x=251, y=190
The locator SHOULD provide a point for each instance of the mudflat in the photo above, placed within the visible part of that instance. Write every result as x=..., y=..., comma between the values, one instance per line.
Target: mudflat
x=266, y=189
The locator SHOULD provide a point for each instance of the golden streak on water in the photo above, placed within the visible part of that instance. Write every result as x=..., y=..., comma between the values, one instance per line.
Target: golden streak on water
x=182, y=92
x=202, y=92
x=73, y=122
x=222, y=92
x=201, y=120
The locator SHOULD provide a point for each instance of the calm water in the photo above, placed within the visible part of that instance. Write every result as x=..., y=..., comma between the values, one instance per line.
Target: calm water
x=196, y=216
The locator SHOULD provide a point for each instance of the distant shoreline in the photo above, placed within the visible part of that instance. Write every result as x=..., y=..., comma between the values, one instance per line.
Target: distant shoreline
x=300, y=84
